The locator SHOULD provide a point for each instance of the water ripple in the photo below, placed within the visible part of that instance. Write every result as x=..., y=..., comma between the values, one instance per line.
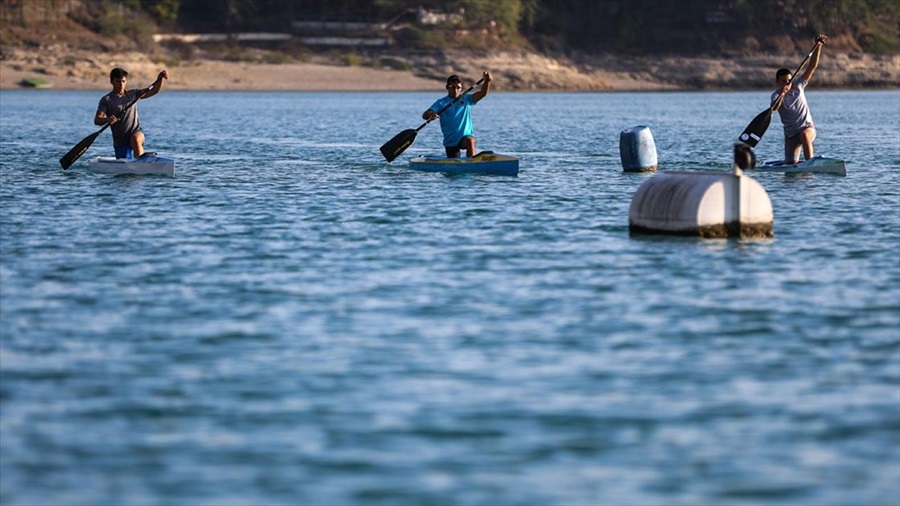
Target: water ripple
x=291, y=320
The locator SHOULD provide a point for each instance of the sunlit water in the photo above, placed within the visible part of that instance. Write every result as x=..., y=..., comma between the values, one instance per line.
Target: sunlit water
x=293, y=321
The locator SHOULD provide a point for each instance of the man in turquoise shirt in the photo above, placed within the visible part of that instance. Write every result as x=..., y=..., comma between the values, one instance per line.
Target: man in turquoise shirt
x=456, y=120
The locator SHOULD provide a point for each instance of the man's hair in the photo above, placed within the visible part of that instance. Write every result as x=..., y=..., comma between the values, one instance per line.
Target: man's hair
x=454, y=79
x=117, y=73
x=782, y=72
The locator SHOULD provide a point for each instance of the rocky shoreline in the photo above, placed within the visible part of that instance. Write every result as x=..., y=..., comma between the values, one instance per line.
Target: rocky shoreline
x=64, y=68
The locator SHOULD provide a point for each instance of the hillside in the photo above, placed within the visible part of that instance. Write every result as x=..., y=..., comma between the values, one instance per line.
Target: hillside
x=66, y=55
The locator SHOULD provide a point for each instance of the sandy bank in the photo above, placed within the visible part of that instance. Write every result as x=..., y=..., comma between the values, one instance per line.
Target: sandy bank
x=514, y=71
x=92, y=73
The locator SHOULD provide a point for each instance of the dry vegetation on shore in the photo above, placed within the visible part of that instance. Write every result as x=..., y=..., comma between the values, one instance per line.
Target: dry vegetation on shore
x=65, y=56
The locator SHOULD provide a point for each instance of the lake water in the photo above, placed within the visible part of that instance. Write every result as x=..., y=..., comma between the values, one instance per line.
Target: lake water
x=291, y=320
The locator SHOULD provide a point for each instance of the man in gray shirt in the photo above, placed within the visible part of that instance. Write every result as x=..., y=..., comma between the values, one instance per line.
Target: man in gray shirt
x=790, y=102
x=119, y=110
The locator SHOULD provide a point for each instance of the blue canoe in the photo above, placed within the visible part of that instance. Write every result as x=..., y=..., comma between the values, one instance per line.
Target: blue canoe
x=815, y=165
x=485, y=162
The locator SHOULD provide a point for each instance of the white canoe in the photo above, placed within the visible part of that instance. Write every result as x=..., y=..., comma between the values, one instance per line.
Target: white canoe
x=148, y=163
x=485, y=162
x=815, y=165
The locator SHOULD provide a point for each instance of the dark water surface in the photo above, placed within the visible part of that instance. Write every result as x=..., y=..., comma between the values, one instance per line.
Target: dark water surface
x=292, y=321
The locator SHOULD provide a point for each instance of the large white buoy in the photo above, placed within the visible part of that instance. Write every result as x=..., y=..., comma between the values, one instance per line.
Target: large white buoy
x=637, y=149
x=704, y=204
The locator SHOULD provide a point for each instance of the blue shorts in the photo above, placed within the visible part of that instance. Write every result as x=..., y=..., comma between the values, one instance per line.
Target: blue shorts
x=124, y=152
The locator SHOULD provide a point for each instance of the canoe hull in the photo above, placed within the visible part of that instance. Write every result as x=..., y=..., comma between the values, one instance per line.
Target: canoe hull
x=815, y=165
x=485, y=162
x=146, y=165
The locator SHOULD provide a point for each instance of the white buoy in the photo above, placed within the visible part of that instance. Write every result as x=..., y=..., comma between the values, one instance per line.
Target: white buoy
x=637, y=149
x=704, y=204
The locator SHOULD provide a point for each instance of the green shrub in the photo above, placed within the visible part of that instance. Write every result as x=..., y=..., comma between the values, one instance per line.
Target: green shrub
x=35, y=82
x=878, y=43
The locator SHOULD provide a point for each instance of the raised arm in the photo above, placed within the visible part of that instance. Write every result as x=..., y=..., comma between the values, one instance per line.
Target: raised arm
x=814, y=59
x=157, y=85
x=485, y=87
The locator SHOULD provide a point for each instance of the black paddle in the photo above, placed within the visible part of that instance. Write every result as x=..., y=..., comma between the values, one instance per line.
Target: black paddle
x=404, y=139
x=75, y=153
x=757, y=128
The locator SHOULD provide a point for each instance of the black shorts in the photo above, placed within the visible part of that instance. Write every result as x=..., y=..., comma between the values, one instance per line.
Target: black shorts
x=460, y=145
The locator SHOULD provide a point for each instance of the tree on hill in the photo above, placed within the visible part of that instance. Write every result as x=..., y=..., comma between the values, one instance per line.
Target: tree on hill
x=635, y=26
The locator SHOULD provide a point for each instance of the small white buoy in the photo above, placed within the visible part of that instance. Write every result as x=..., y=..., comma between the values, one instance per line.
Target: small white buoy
x=637, y=149
x=704, y=204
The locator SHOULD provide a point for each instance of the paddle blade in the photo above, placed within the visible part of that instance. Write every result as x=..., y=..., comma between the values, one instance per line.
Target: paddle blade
x=75, y=153
x=756, y=129
x=398, y=144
